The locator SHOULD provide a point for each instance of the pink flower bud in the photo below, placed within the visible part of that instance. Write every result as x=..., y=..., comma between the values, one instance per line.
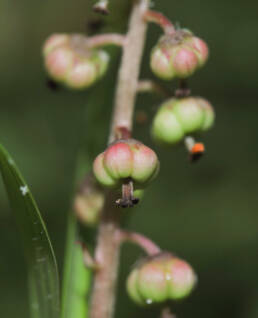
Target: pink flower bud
x=160, y=278
x=178, y=55
x=118, y=160
x=59, y=62
x=181, y=278
x=144, y=163
x=70, y=61
x=82, y=74
x=200, y=48
x=185, y=62
x=126, y=159
x=54, y=41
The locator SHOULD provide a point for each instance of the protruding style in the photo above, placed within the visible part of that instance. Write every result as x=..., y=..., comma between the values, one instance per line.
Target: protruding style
x=126, y=163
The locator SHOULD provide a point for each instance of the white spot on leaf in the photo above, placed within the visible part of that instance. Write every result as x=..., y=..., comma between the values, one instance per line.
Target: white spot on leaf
x=24, y=190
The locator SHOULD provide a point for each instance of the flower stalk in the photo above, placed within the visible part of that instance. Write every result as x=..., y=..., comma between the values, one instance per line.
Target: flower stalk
x=142, y=241
x=161, y=20
x=149, y=86
x=105, y=39
x=108, y=248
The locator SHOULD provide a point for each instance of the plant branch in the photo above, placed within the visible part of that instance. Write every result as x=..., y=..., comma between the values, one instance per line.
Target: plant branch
x=148, y=86
x=106, y=39
x=145, y=243
x=108, y=248
x=161, y=20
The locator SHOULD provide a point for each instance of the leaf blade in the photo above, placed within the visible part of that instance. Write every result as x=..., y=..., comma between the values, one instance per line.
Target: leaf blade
x=42, y=267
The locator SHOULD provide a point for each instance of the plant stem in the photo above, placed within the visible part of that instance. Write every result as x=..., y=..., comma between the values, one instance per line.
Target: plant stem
x=106, y=39
x=148, y=86
x=166, y=313
x=129, y=71
x=161, y=20
x=108, y=248
x=145, y=243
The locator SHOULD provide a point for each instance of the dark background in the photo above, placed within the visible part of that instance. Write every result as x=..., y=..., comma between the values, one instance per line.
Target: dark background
x=206, y=213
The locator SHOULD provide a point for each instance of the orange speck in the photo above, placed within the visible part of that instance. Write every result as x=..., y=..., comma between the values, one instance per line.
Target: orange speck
x=197, y=148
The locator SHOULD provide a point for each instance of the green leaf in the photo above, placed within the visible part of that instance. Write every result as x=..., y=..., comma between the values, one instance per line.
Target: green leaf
x=42, y=267
x=77, y=277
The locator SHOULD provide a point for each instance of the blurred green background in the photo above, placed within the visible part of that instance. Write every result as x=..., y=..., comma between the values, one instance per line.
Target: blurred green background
x=205, y=213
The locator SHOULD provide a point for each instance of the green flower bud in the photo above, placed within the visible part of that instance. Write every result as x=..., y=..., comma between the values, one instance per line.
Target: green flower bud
x=160, y=278
x=189, y=113
x=166, y=128
x=209, y=114
x=101, y=174
x=177, y=118
x=152, y=282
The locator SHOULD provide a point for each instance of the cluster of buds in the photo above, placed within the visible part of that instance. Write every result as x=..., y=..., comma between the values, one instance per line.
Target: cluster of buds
x=126, y=162
x=160, y=278
x=70, y=61
x=177, y=118
x=178, y=54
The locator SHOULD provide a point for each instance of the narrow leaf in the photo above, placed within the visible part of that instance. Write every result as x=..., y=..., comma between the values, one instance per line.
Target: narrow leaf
x=42, y=267
x=77, y=278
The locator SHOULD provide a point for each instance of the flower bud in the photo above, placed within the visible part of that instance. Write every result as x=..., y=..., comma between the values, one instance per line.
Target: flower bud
x=209, y=115
x=55, y=41
x=179, y=117
x=189, y=113
x=101, y=173
x=68, y=60
x=118, y=160
x=88, y=203
x=160, y=278
x=126, y=159
x=178, y=55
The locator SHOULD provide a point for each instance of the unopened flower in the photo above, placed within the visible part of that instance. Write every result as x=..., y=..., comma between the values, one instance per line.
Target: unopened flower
x=160, y=278
x=68, y=60
x=89, y=202
x=126, y=159
x=177, y=118
x=178, y=55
